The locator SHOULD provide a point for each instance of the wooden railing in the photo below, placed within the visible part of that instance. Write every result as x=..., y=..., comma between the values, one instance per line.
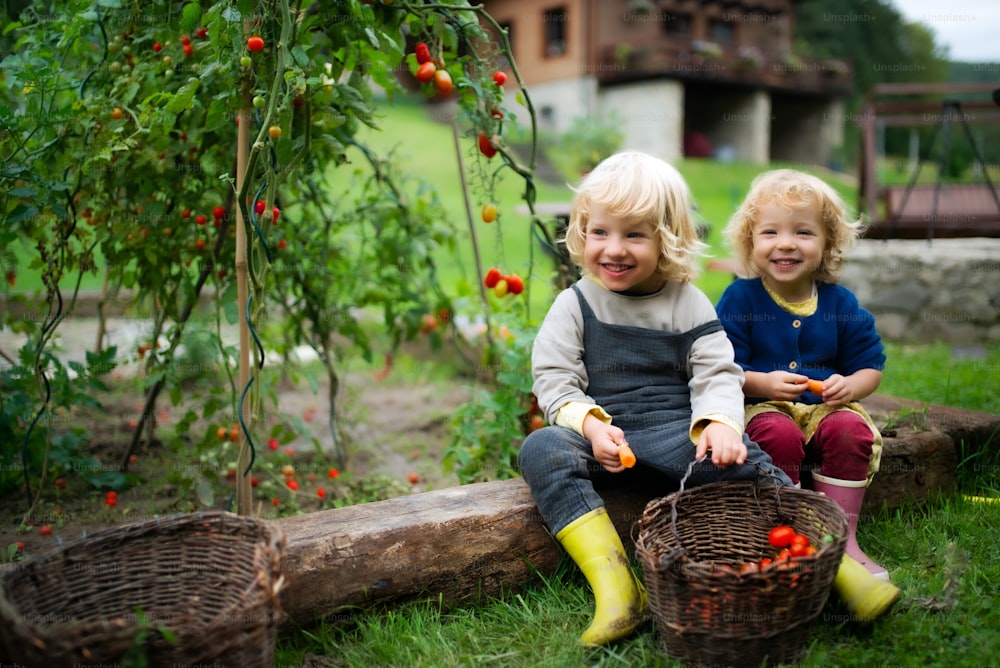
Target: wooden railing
x=699, y=60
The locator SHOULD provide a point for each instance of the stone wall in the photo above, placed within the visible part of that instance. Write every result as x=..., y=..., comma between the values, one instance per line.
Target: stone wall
x=943, y=290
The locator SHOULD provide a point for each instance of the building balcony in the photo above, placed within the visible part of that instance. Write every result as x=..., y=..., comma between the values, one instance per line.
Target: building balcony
x=697, y=60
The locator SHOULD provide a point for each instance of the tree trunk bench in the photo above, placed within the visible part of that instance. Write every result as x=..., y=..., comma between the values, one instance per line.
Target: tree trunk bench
x=465, y=544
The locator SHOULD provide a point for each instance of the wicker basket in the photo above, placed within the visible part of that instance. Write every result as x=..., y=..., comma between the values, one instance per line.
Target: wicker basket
x=691, y=545
x=181, y=590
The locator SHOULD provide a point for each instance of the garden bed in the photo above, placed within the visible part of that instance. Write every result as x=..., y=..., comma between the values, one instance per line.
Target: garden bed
x=386, y=457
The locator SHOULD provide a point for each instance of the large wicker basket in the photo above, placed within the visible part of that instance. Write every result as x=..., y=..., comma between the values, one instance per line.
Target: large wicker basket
x=181, y=590
x=692, y=544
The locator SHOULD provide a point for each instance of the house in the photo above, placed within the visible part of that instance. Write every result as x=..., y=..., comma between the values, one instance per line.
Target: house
x=680, y=77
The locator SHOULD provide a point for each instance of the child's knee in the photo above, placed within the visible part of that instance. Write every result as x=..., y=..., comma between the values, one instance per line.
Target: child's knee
x=846, y=427
x=777, y=434
x=545, y=449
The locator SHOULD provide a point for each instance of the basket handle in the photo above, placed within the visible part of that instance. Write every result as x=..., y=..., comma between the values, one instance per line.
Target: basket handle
x=687, y=474
x=758, y=484
x=677, y=496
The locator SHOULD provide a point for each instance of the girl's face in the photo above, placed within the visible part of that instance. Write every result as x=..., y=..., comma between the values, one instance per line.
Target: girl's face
x=622, y=254
x=788, y=248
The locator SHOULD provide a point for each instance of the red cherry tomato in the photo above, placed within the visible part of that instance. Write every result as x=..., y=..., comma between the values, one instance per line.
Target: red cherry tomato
x=499, y=78
x=426, y=72
x=781, y=536
x=422, y=53
x=255, y=43
x=515, y=284
x=486, y=146
x=799, y=546
x=493, y=277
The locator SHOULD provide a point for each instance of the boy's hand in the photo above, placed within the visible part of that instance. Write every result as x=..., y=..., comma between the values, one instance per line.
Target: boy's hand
x=604, y=439
x=726, y=445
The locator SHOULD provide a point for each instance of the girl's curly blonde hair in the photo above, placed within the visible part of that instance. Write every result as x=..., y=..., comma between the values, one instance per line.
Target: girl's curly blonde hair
x=792, y=189
x=635, y=186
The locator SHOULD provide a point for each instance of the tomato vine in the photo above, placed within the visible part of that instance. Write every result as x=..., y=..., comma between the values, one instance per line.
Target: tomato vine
x=121, y=128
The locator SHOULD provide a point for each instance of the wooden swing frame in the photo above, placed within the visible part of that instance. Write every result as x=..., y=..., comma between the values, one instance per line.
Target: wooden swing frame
x=921, y=210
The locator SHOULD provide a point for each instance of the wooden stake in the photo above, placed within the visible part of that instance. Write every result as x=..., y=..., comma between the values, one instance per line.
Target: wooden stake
x=243, y=486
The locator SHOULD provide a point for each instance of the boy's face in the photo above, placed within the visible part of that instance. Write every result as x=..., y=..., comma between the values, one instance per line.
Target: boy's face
x=622, y=254
x=788, y=247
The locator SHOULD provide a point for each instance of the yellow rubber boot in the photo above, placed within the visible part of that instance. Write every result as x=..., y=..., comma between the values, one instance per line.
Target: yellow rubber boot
x=620, y=602
x=866, y=596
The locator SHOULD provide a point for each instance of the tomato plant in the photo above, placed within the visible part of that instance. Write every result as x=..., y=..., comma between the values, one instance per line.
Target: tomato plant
x=136, y=123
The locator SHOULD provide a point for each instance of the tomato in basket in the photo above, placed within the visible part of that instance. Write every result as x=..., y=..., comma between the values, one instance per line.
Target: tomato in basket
x=781, y=536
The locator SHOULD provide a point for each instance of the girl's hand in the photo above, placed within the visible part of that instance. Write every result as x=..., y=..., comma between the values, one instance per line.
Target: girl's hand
x=726, y=445
x=604, y=439
x=784, y=386
x=837, y=391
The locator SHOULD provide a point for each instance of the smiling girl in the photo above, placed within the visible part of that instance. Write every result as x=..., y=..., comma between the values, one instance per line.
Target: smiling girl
x=793, y=323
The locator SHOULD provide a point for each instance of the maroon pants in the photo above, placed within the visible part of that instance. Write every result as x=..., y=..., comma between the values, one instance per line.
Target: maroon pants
x=841, y=447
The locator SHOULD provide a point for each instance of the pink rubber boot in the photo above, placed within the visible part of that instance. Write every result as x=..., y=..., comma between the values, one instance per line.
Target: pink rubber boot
x=849, y=494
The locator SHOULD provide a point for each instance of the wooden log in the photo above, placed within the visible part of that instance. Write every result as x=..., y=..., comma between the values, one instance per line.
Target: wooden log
x=913, y=468
x=923, y=444
x=462, y=544
x=465, y=544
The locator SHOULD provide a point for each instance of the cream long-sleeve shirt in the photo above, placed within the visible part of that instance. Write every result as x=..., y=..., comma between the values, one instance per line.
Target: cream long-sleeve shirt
x=560, y=377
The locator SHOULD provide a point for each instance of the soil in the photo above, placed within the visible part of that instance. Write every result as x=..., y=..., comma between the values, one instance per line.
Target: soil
x=394, y=432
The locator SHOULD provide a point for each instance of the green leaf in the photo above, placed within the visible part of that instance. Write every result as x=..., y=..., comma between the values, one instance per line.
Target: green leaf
x=184, y=98
x=203, y=488
x=190, y=16
x=230, y=308
x=22, y=212
x=299, y=56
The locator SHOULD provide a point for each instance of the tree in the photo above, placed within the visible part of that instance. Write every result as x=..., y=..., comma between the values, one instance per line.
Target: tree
x=882, y=46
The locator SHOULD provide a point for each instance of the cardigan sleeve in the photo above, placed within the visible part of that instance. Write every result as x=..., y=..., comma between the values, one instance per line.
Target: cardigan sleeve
x=859, y=344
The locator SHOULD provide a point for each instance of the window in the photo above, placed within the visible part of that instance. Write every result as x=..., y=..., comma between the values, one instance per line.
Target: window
x=548, y=116
x=555, y=31
x=721, y=32
x=677, y=25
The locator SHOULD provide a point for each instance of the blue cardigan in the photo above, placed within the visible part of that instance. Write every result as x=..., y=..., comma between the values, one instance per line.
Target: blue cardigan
x=840, y=337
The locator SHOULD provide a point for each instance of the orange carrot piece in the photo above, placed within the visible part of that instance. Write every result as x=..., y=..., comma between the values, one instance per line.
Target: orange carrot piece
x=626, y=456
x=816, y=387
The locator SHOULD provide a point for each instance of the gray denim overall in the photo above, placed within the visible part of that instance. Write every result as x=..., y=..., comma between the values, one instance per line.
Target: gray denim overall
x=639, y=376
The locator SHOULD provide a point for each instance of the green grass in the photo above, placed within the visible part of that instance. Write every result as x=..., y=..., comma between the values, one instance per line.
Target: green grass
x=939, y=374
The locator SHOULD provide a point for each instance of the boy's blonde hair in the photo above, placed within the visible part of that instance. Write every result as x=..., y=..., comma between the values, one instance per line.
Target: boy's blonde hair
x=635, y=186
x=792, y=189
